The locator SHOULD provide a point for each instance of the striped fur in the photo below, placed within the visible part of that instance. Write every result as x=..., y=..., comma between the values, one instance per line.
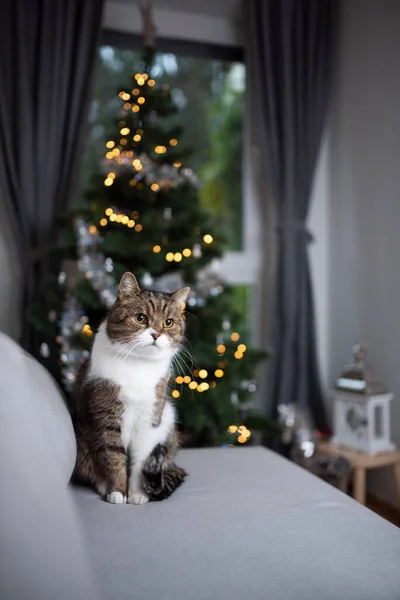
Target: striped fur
x=124, y=420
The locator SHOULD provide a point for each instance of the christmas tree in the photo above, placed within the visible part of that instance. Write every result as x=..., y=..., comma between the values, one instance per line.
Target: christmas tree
x=142, y=213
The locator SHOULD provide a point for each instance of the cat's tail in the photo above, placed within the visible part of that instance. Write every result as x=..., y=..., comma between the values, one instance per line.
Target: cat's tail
x=160, y=481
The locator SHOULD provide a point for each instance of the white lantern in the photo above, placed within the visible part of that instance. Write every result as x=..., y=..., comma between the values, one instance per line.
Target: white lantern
x=361, y=409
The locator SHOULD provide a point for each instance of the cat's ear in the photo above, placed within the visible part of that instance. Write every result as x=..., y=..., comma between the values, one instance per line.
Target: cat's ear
x=181, y=295
x=128, y=286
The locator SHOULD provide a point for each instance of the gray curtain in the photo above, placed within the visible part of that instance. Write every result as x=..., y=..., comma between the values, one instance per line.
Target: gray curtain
x=47, y=56
x=290, y=55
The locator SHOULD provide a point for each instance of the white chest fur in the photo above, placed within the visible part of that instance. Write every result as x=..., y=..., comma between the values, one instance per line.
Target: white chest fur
x=137, y=379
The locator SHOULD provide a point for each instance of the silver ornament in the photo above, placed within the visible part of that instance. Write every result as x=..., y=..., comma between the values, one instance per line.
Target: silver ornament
x=147, y=280
x=44, y=350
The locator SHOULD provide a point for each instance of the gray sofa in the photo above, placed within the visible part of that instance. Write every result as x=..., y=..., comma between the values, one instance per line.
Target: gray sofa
x=246, y=524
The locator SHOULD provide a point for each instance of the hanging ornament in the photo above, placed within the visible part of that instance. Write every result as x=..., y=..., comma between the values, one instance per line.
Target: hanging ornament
x=167, y=214
x=226, y=324
x=196, y=251
x=147, y=280
x=109, y=264
x=252, y=387
x=44, y=350
x=62, y=277
x=52, y=316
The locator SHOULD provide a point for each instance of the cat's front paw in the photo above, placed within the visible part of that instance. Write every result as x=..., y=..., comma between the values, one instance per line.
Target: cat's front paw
x=138, y=498
x=116, y=498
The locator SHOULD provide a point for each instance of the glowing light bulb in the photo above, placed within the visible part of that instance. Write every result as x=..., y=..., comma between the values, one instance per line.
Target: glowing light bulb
x=169, y=257
x=219, y=373
x=109, y=155
x=137, y=138
x=145, y=76
x=187, y=379
x=208, y=238
x=111, y=175
x=133, y=182
x=177, y=257
x=140, y=81
x=242, y=348
x=136, y=162
x=241, y=439
x=177, y=163
x=110, y=144
x=127, y=105
x=135, y=92
x=235, y=337
x=232, y=429
x=203, y=373
x=155, y=187
x=125, y=220
x=108, y=181
x=193, y=385
x=186, y=252
x=125, y=131
x=125, y=96
x=151, y=82
x=113, y=217
x=103, y=222
x=108, y=211
x=135, y=108
x=138, y=227
x=157, y=249
x=175, y=394
x=173, y=142
x=116, y=152
x=221, y=348
x=131, y=223
x=119, y=219
x=238, y=354
x=141, y=100
x=179, y=380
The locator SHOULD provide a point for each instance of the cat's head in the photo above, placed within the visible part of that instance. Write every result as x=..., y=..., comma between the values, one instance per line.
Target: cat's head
x=146, y=323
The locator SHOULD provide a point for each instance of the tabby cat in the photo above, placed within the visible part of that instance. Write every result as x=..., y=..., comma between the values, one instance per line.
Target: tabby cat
x=124, y=421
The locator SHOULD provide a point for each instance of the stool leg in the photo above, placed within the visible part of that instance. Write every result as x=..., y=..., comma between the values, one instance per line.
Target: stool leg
x=343, y=484
x=359, y=485
x=396, y=472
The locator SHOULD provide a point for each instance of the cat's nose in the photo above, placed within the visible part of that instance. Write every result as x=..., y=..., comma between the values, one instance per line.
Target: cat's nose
x=155, y=335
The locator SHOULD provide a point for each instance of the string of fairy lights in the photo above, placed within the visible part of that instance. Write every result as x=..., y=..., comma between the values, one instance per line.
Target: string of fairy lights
x=200, y=380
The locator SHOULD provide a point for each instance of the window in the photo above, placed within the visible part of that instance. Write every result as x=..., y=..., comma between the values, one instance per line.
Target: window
x=210, y=95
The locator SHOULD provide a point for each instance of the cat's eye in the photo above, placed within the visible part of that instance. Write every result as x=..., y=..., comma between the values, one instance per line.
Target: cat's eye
x=141, y=318
x=168, y=323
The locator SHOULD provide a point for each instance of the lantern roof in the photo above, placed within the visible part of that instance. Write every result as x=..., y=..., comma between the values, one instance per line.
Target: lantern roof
x=356, y=377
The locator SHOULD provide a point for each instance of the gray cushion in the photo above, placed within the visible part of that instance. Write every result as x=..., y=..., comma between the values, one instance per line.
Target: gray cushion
x=246, y=524
x=55, y=420
x=41, y=550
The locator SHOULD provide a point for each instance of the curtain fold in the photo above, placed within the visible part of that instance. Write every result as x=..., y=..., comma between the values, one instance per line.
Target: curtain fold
x=291, y=47
x=48, y=50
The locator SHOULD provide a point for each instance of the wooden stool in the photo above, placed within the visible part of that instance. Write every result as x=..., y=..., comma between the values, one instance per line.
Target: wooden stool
x=360, y=463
